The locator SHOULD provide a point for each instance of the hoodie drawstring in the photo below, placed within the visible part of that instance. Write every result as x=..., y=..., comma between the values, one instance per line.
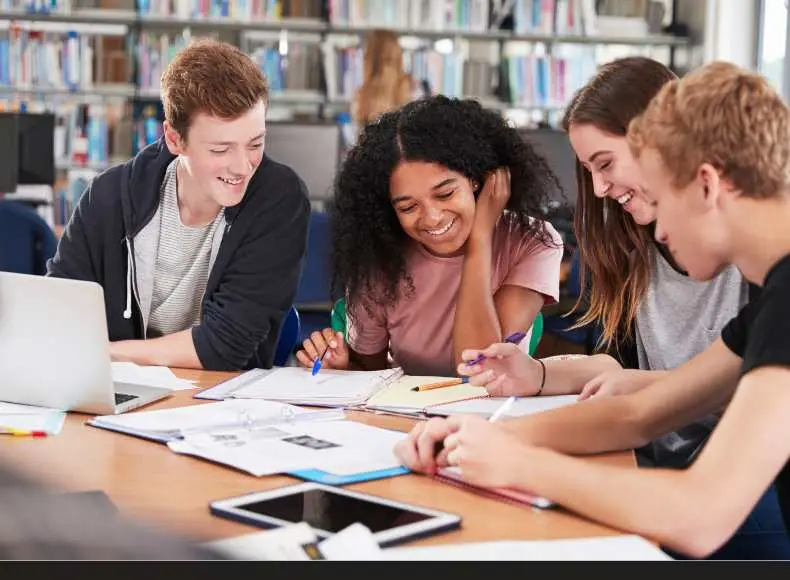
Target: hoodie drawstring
x=127, y=314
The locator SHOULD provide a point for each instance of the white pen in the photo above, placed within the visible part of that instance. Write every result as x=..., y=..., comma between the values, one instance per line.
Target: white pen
x=502, y=409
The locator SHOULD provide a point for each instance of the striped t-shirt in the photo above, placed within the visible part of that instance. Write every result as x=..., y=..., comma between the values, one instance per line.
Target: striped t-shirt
x=182, y=264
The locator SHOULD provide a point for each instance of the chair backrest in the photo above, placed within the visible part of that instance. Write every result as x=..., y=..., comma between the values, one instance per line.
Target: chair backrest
x=536, y=335
x=316, y=277
x=26, y=240
x=289, y=336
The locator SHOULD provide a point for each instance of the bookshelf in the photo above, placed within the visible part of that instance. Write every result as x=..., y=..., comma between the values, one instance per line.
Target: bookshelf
x=109, y=102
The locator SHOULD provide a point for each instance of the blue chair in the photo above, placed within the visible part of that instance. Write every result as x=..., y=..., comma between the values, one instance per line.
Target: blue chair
x=313, y=296
x=26, y=240
x=289, y=337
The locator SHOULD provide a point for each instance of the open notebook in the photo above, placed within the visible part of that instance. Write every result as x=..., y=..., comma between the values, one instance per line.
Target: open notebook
x=388, y=390
x=452, y=475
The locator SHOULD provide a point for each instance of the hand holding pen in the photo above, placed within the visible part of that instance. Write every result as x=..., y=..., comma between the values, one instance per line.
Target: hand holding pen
x=324, y=349
x=514, y=338
x=504, y=370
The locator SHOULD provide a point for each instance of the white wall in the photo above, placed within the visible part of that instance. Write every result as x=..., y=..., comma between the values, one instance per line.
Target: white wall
x=722, y=30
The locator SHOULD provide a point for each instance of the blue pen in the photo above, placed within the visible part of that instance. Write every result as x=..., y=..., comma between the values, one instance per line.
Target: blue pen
x=319, y=362
x=515, y=338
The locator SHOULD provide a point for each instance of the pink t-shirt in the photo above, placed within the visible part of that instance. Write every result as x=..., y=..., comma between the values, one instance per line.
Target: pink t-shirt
x=419, y=330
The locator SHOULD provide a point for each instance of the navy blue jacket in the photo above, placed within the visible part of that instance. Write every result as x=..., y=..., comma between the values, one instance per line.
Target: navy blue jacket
x=255, y=275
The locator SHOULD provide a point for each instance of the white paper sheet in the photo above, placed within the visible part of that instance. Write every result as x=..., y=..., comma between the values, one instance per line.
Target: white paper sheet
x=521, y=407
x=230, y=414
x=30, y=418
x=337, y=447
x=328, y=387
x=625, y=547
x=151, y=376
x=288, y=543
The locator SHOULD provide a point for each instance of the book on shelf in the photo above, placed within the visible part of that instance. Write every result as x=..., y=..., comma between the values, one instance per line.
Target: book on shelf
x=241, y=10
x=562, y=17
x=33, y=58
x=467, y=15
x=537, y=79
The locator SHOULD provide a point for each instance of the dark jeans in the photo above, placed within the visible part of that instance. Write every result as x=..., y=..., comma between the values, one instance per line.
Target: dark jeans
x=762, y=536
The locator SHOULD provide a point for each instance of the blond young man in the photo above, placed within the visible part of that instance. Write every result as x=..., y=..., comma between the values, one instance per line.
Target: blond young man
x=714, y=148
x=199, y=240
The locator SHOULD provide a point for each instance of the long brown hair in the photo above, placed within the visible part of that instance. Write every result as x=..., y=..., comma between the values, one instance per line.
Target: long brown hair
x=385, y=85
x=615, y=250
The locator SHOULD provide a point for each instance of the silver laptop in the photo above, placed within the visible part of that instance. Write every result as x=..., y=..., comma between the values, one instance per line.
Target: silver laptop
x=55, y=350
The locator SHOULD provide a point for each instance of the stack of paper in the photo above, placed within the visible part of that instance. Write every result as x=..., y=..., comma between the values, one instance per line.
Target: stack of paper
x=151, y=376
x=299, y=542
x=356, y=542
x=25, y=419
x=167, y=424
x=339, y=448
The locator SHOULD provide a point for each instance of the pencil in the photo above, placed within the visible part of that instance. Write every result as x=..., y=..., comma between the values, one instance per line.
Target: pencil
x=22, y=433
x=441, y=384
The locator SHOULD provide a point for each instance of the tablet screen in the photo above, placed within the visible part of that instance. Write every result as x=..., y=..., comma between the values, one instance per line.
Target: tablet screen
x=333, y=512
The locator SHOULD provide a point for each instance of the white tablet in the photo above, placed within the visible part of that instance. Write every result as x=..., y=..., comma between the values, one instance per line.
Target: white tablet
x=329, y=510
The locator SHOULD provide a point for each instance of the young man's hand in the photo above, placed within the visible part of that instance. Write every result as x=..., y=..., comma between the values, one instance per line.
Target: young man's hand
x=619, y=382
x=505, y=371
x=422, y=450
x=486, y=454
x=325, y=341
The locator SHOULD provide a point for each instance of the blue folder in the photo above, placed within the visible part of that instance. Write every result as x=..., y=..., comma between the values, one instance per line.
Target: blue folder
x=327, y=478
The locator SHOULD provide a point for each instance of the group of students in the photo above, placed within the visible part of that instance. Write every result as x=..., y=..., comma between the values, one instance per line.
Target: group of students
x=440, y=249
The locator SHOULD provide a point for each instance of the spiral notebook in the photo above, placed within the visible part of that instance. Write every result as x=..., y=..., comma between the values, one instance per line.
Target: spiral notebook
x=387, y=390
x=452, y=475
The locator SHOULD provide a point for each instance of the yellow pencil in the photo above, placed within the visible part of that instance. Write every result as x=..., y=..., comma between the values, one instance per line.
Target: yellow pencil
x=440, y=384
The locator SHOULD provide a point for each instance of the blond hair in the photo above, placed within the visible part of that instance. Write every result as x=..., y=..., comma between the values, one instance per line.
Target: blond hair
x=723, y=115
x=212, y=77
x=385, y=85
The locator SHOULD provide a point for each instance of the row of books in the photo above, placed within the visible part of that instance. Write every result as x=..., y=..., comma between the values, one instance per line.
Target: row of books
x=241, y=10
x=471, y=15
x=30, y=58
x=36, y=6
x=298, y=69
x=152, y=53
x=95, y=134
x=571, y=17
x=545, y=81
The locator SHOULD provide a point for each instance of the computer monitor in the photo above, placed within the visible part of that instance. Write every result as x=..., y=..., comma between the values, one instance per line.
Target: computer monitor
x=27, y=147
x=9, y=152
x=556, y=148
x=310, y=149
x=36, y=149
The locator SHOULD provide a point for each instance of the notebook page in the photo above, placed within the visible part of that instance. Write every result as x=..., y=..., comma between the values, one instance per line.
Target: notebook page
x=522, y=406
x=399, y=395
x=297, y=385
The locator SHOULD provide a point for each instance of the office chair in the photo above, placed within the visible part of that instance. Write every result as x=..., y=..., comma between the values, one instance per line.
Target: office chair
x=289, y=337
x=26, y=240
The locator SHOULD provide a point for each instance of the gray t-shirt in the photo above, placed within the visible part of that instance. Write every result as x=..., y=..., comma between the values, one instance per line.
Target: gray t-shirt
x=677, y=319
x=182, y=265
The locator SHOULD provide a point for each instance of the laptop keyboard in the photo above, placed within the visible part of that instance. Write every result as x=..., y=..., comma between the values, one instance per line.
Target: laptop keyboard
x=123, y=397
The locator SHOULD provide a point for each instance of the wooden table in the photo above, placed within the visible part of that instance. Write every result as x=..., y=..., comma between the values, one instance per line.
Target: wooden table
x=148, y=481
